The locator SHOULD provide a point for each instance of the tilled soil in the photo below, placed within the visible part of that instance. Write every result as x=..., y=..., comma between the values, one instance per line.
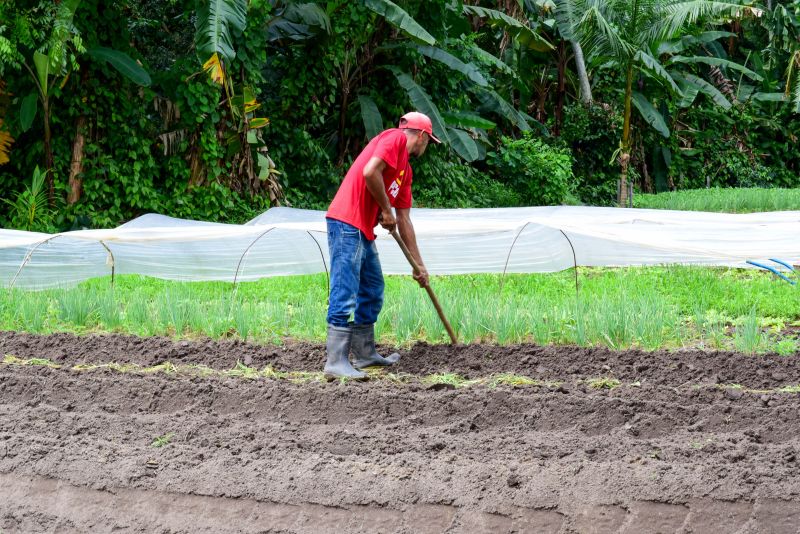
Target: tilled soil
x=689, y=442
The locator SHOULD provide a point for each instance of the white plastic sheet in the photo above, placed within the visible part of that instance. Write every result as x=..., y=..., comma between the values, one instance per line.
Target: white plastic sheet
x=285, y=241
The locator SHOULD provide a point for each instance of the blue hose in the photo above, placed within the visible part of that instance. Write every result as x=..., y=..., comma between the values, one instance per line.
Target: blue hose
x=774, y=271
x=780, y=262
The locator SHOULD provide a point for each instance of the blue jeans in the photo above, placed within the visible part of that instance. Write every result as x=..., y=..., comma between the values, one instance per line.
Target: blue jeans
x=356, y=276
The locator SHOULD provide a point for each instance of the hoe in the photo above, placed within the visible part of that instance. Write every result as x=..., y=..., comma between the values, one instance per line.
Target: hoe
x=428, y=288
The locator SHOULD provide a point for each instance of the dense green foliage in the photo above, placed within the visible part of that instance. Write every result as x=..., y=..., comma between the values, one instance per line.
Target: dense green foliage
x=539, y=173
x=218, y=110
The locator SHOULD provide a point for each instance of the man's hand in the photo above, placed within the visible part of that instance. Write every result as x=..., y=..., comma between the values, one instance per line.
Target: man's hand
x=387, y=220
x=421, y=277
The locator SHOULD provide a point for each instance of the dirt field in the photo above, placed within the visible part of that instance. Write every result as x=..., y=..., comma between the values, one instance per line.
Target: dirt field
x=673, y=448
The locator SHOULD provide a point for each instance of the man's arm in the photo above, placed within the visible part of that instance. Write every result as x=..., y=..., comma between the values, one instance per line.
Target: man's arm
x=373, y=175
x=406, y=230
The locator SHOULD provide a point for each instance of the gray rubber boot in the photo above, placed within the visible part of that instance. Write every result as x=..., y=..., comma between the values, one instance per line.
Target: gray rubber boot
x=338, y=348
x=363, y=347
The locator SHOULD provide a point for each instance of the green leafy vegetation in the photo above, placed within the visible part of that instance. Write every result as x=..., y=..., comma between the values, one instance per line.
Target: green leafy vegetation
x=650, y=308
x=219, y=110
x=539, y=173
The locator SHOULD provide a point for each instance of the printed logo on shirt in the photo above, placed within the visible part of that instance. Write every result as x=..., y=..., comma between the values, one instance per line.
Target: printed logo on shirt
x=394, y=189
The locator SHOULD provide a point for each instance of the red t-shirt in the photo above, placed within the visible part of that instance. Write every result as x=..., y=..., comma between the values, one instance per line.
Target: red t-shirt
x=354, y=203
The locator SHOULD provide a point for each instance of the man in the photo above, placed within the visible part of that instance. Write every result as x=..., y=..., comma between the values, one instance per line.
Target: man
x=379, y=179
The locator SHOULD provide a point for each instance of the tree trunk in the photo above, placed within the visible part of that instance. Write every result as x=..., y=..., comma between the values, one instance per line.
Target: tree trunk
x=48, y=155
x=647, y=181
x=583, y=76
x=541, y=100
x=76, y=166
x=342, y=123
x=625, y=146
x=736, y=28
x=562, y=87
x=196, y=168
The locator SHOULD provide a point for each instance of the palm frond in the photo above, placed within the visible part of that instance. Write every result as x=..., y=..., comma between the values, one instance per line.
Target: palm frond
x=640, y=14
x=676, y=14
x=567, y=18
x=601, y=37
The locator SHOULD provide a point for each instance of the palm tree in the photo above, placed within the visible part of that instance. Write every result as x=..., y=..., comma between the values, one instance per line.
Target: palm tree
x=629, y=32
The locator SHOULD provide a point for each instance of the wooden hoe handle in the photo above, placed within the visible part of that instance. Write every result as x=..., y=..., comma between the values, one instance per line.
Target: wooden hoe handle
x=428, y=287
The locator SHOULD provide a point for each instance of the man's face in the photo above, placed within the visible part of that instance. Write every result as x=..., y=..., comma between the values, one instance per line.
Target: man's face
x=422, y=144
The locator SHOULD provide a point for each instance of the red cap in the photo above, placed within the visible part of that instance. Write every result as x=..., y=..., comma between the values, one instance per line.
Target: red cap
x=418, y=121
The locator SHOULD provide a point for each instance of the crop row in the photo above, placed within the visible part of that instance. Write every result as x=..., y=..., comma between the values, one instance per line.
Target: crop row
x=649, y=308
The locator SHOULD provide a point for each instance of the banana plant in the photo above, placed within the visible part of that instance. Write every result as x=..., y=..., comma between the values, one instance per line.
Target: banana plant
x=48, y=69
x=526, y=30
x=521, y=32
x=782, y=23
x=464, y=132
x=793, y=80
x=51, y=63
x=219, y=25
x=217, y=21
x=629, y=32
x=398, y=17
x=297, y=21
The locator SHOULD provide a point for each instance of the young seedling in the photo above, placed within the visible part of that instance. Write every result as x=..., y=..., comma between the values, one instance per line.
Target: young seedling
x=160, y=441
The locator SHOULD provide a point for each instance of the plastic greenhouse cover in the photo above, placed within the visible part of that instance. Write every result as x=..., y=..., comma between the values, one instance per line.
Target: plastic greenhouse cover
x=286, y=241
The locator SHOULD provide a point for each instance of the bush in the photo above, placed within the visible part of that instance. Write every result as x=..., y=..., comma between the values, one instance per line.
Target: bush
x=719, y=162
x=309, y=177
x=441, y=183
x=593, y=133
x=540, y=174
x=724, y=148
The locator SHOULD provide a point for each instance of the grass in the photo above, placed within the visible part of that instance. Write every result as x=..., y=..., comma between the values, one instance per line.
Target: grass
x=649, y=308
x=447, y=379
x=244, y=372
x=450, y=380
x=514, y=380
x=603, y=383
x=739, y=200
x=748, y=337
x=10, y=359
